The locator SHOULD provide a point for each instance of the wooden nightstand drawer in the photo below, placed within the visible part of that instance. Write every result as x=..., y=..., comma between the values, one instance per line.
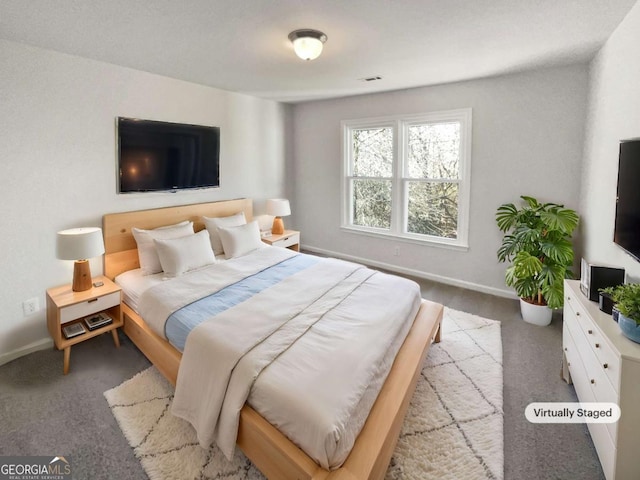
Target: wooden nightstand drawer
x=93, y=305
x=66, y=306
x=287, y=241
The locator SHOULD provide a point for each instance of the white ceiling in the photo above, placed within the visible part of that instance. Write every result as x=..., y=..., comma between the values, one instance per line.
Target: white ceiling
x=242, y=45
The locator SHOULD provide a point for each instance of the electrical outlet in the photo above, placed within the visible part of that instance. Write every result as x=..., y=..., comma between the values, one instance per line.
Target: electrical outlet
x=31, y=306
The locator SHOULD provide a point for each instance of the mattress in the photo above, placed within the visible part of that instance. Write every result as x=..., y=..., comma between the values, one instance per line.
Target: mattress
x=134, y=284
x=303, y=394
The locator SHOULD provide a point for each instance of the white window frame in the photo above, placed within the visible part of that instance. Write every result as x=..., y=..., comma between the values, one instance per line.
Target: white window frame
x=399, y=202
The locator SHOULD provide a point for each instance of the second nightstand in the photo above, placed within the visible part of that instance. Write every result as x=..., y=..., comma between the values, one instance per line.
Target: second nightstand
x=289, y=239
x=66, y=308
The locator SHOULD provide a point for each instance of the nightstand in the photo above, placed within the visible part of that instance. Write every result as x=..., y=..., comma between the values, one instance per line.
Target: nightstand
x=66, y=308
x=289, y=239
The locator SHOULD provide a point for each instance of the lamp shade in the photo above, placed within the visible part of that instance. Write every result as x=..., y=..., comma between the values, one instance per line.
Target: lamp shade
x=79, y=243
x=278, y=207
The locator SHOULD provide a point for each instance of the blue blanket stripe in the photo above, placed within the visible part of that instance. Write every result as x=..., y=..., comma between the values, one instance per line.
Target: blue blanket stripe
x=181, y=322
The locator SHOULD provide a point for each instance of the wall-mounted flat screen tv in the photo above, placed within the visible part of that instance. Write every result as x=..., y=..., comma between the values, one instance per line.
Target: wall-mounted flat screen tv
x=627, y=227
x=161, y=156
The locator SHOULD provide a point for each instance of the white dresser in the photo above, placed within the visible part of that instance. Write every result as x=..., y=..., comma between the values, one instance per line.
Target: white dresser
x=604, y=366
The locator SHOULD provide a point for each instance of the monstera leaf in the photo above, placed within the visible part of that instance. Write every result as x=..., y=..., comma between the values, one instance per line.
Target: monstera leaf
x=537, y=243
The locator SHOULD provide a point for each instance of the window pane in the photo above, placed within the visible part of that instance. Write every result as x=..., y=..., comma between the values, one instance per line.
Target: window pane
x=433, y=209
x=372, y=203
x=434, y=150
x=373, y=152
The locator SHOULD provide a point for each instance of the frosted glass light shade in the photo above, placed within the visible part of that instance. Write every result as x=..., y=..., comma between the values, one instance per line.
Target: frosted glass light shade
x=278, y=207
x=79, y=243
x=307, y=48
x=307, y=43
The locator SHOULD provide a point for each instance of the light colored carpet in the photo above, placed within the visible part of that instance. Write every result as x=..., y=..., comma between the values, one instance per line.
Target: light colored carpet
x=453, y=429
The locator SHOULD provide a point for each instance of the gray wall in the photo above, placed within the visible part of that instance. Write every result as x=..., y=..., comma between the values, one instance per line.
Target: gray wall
x=528, y=133
x=614, y=115
x=58, y=153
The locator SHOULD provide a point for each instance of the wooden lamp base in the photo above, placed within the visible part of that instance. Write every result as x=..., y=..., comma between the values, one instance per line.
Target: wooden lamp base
x=278, y=226
x=81, y=276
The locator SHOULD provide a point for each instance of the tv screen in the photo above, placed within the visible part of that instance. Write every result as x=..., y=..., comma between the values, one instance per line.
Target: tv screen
x=156, y=156
x=627, y=228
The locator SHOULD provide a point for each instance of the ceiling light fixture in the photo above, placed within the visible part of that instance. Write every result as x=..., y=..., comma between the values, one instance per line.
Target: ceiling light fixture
x=307, y=43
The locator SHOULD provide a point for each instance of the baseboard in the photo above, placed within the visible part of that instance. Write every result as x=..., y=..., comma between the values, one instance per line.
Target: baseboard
x=414, y=273
x=27, y=349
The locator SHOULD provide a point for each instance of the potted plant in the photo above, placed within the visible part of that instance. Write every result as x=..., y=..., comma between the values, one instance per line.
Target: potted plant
x=627, y=301
x=537, y=243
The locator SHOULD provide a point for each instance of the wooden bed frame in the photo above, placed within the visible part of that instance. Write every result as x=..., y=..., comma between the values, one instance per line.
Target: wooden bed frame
x=273, y=453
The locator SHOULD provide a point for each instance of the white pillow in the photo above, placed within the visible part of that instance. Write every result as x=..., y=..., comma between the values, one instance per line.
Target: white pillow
x=212, y=225
x=240, y=240
x=179, y=255
x=147, y=254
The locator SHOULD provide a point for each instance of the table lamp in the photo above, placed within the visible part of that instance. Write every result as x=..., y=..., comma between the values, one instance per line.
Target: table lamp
x=278, y=207
x=80, y=244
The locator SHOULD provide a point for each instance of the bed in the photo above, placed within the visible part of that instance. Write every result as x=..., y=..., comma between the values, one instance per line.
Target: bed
x=272, y=452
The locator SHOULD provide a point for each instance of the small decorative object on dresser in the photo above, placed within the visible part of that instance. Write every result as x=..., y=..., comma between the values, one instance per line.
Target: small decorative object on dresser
x=288, y=239
x=604, y=366
x=627, y=301
x=67, y=310
x=595, y=278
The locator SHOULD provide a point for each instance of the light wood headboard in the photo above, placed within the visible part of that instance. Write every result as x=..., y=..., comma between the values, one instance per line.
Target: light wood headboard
x=121, y=252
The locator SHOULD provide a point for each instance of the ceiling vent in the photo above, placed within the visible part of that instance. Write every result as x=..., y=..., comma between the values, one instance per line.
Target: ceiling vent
x=370, y=79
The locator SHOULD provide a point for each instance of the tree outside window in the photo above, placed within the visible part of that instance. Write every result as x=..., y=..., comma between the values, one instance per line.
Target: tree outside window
x=409, y=177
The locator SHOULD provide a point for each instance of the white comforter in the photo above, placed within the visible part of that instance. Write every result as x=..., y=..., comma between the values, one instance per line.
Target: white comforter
x=306, y=350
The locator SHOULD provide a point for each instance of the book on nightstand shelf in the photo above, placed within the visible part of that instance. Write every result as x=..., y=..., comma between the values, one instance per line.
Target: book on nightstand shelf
x=73, y=330
x=97, y=320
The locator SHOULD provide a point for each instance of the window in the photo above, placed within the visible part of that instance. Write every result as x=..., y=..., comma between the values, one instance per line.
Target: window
x=409, y=176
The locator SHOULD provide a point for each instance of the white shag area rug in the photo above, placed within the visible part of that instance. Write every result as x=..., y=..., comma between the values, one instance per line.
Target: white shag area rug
x=453, y=429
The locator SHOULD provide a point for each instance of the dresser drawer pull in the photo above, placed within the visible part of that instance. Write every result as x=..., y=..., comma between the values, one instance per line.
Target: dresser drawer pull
x=605, y=365
x=577, y=314
x=593, y=381
x=597, y=345
x=590, y=332
x=92, y=300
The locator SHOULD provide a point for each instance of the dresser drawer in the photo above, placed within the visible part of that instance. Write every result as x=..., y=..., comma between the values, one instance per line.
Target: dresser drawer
x=605, y=447
x=602, y=389
x=607, y=358
x=576, y=367
x=603, y=435
x=82, y=309
x=604, y=367
x=287, y=241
